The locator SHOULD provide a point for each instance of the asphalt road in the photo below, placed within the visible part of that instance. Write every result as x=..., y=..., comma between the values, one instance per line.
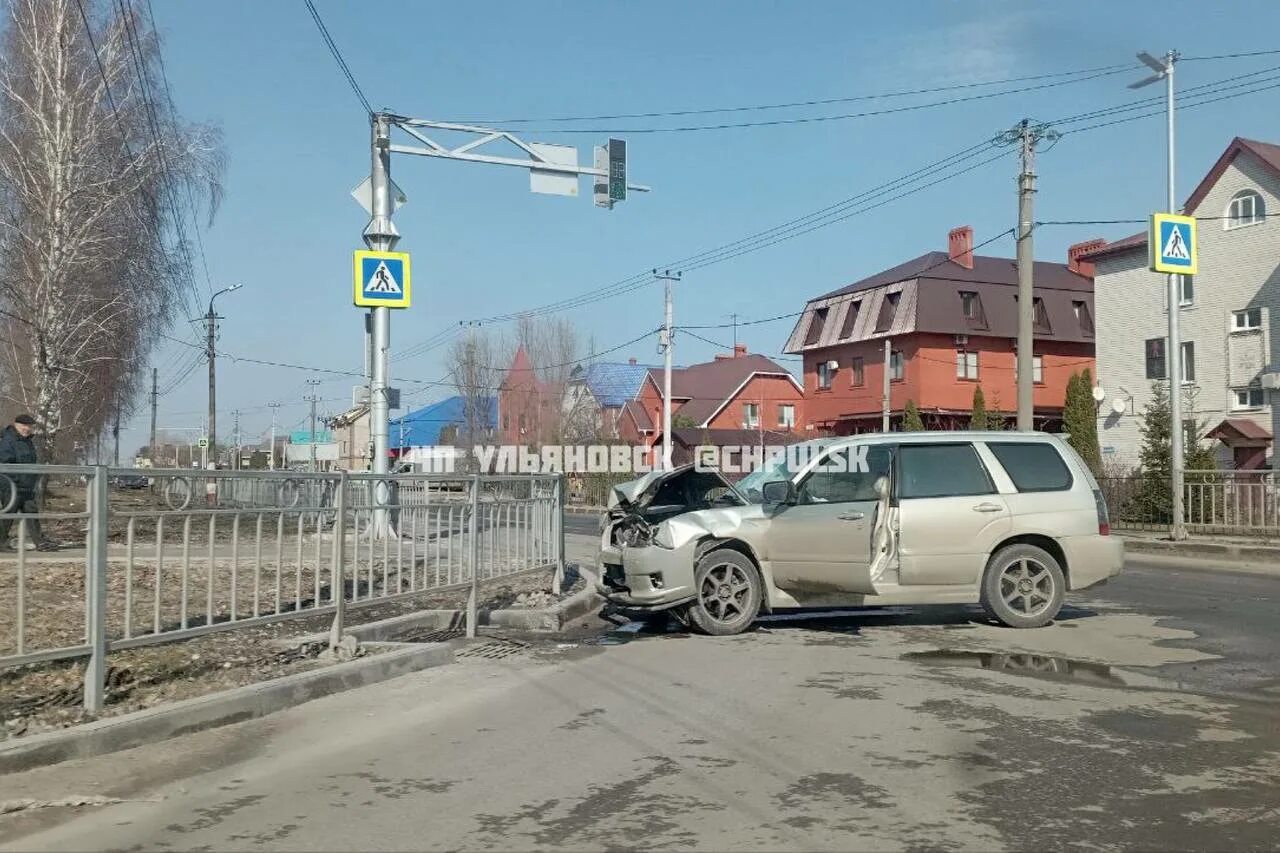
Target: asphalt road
x=1114, y=728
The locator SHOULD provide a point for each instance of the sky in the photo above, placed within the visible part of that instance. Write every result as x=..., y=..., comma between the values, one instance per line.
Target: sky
x=482, y=244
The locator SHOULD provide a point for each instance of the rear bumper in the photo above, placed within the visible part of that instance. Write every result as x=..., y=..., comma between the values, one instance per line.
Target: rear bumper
x=1092, y=559
x=648, y=578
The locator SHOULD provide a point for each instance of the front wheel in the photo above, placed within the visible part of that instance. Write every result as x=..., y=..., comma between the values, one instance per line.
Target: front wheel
x=730, y=592
x=1023, y=586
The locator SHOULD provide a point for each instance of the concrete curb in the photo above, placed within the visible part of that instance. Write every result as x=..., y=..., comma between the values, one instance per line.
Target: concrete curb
x=388, y=629
x=1193, y=548
x=554, y=618
x=217, y=709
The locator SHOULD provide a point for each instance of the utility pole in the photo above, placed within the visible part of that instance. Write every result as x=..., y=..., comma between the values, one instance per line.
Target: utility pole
x=313, y=398
x=155, y=402
x=211, y=319
x=884, y=391
x=235, y=463
x=1026, y=135
x=1164, y=71
x=667, y=343
x=271, y=455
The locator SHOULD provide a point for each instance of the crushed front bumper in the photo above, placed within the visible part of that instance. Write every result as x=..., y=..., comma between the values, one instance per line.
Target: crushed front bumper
x=648, y=577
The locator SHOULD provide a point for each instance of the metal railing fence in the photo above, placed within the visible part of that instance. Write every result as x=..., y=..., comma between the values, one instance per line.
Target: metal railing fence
x=190, y=553
x=1244, y=503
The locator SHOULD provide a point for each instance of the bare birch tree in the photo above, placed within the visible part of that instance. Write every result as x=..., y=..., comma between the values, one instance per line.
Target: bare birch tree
x=94, y=168
x=472, y=362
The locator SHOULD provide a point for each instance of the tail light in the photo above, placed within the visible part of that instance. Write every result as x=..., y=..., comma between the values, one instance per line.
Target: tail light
x=1104, y=520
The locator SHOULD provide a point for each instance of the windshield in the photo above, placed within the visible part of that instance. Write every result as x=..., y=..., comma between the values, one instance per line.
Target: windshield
x=776, y=468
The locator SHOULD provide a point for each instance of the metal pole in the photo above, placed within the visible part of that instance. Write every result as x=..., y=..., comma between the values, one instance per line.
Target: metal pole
x=115, y=437
x=312, y=398
x=338, y=593
x=884, y=399
x=668, y=343
x=473, y=551
x=1177, y=528
x=380, y=235
x=211, y=325
x=235, y=463
x=155, y=401
x=1026, y=283
x=95, y=674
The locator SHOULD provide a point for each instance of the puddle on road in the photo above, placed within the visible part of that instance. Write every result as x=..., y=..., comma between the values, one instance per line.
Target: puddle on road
x=1034, y=666
x=632, y=631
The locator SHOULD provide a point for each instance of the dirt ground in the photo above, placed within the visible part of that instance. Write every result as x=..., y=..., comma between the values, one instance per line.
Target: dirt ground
x=41, y=697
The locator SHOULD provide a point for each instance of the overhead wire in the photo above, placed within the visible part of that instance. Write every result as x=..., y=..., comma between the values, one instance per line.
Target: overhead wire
x=901, y=93
x=337, y=56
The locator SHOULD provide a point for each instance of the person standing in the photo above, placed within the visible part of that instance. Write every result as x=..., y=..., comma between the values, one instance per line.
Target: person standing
x=17, y=448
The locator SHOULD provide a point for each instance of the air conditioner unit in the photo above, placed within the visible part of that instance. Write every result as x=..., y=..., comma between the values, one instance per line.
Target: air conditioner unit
x=1271, y=381
x=833, y=365
x=962, y=340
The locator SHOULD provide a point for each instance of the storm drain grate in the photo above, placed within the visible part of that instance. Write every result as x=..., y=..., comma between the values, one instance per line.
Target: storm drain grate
x=440, y=635
x=492, y=649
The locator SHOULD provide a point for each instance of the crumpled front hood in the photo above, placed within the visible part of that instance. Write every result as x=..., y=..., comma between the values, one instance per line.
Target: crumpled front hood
x=635, y=495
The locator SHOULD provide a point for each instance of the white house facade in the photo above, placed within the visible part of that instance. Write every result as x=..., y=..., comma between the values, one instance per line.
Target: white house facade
x=1231, y=354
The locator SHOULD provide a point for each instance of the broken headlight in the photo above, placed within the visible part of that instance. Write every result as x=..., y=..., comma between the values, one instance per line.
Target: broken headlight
x=662, y=537
x=633, y=533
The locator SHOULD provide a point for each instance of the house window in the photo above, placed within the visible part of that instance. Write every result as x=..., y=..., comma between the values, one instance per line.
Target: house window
x=1188, y=361
x=1243, y=321
x=888, y=310
x=850, y=317
x=1041, y=323
x=858, y=379
x=1246, y=208
x=971, y=308
x=826, y=375
x=1155, y=358
x=1247, y=398
x=816, y=323
x=750, y=415
x=1037, y=370
x=787, y=415
x=1084, y=317
x=1186, y=292
x=966, y=365
x=897, y=367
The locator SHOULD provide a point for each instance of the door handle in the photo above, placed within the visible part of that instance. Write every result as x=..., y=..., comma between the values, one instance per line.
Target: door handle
x=852, y=516
x=988, y=507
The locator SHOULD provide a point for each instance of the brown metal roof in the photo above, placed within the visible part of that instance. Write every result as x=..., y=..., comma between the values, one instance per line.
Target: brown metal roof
x=641, y=417
x=938, y=265
x=1241, y=426
x=708, y=385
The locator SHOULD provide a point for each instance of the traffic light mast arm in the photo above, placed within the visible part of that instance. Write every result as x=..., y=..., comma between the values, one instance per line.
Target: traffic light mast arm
x=486, y=135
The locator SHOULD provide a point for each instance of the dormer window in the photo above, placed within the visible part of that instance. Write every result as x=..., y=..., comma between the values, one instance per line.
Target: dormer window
x=888, y=310
x=1246, y=208
x=814, y=332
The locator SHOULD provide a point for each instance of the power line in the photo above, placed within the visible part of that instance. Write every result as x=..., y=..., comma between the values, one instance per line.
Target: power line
x=337, y=55
x=839, y=117
x=642, y=279
x=901, y=93
x=1228, y=55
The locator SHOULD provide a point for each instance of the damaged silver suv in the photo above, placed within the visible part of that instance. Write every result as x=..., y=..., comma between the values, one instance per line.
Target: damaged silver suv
x=1008, y=520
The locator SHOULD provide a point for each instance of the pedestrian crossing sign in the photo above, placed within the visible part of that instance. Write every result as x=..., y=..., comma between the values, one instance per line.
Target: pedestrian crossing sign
x=1172, y=241
x=381, y=279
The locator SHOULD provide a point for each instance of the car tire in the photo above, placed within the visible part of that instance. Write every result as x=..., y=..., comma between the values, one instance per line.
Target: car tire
x=1023, y=586
x=729, y=591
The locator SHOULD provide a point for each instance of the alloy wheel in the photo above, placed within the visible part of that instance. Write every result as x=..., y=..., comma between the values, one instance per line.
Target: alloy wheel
x=1026, y=585
x=725, y=592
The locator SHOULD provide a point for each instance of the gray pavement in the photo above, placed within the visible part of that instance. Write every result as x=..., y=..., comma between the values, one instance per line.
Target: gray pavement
x=873, y=730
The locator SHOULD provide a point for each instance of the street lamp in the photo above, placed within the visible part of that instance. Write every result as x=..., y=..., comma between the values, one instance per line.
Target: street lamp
x=211, y=329
x=1163, y=69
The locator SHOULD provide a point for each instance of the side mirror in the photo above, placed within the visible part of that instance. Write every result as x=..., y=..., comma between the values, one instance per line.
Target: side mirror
x=778, y=492
x=882, y=487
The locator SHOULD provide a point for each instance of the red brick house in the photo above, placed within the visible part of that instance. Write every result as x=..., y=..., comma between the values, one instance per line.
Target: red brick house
x=719, y=399
x=528, y=408
x=951, y=319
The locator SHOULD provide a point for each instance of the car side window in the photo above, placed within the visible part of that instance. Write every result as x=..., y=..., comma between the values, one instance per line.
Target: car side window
x=941, y=470
x=1032, y=466
x=845, y=475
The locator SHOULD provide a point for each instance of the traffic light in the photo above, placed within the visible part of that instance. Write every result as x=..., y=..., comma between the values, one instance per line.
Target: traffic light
x=617, y=150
